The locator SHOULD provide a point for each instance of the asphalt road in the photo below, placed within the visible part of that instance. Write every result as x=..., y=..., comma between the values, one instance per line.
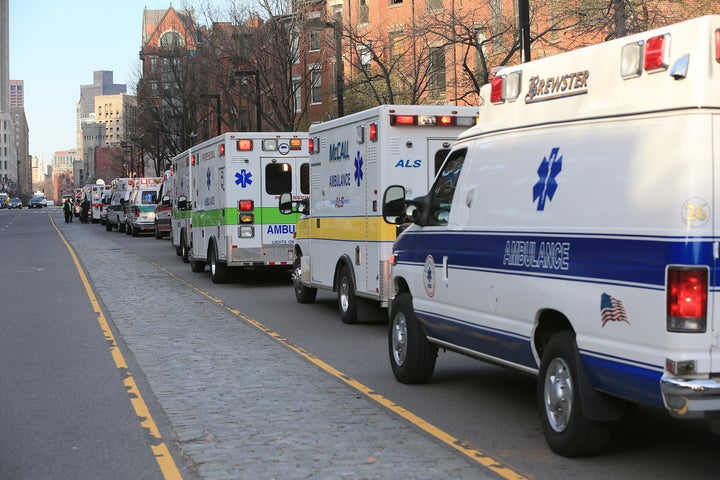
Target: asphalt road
x=490, y=410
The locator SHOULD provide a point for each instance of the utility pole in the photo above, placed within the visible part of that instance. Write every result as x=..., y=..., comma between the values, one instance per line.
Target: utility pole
x=524, y=21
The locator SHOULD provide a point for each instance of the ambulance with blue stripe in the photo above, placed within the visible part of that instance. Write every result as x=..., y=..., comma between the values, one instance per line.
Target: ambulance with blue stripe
x=235, y=182
x=342, y=243
x=573, y=235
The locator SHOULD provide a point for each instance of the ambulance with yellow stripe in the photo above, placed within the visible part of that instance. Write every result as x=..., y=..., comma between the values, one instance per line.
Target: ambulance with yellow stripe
x=235, y=181
x=342, y=243
x=574, y=235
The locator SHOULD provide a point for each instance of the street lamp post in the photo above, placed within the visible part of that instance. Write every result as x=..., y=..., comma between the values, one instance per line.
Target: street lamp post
x=524, y=20
x=258, y=108
x=216, y=96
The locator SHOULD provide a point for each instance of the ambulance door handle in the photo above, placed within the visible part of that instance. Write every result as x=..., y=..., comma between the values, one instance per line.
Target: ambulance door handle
x=445, y=269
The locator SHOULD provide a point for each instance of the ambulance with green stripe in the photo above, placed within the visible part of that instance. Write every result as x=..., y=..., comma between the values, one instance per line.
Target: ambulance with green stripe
x=235, y=182
x=342, y=242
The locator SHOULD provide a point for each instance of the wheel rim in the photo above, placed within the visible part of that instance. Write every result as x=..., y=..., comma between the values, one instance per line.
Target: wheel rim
x=344, y=294
x=297, y=271
x=399, y=339
x=558, y=394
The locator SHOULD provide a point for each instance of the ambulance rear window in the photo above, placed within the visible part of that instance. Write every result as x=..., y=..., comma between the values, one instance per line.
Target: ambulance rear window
x=278, y=178
x=305, y=179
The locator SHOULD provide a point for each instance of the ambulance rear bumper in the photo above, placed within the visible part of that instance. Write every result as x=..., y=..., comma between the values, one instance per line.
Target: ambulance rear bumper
x=691, y=398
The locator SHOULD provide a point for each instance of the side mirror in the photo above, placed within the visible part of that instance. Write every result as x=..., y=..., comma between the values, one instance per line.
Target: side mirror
x=166, y=201
x=287, y=205
x=393, y=205
x=182, y=203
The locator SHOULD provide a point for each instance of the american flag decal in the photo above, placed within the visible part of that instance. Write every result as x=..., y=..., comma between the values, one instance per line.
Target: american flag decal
x=612, y=310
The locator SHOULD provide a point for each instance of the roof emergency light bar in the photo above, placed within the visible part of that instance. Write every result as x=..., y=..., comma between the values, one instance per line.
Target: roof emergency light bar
x=432, y=120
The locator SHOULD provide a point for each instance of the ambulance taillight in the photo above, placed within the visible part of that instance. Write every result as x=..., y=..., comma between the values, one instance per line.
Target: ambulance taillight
x=221, y=150
x=403, y=120
x=657, y=53
x=717, y=45
x=373, y=132
x=311, y=145
x=246, y=218
x=295, y=144
x=687, y=292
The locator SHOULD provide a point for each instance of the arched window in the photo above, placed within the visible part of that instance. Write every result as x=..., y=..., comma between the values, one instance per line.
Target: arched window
x=170, y=40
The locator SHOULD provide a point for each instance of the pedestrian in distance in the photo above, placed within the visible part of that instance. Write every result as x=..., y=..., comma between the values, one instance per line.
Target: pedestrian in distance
x=67, y=210
x=84, y=210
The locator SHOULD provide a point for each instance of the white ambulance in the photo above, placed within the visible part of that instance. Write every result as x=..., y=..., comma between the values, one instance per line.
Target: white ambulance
x=235, y=181
x=97, y=192
x=573, y=234
x=342, y=243
x=115, y=212
x=181, y=221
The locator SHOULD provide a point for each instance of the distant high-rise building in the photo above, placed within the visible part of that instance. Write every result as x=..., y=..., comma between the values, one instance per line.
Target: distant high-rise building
x=4, y=56
x=17, y=94
x=102, y=85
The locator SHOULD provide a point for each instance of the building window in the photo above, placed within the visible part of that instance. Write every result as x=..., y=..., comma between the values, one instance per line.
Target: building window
x=436, y=71
x=314, y=40
x=297, y=94
x=363, y=11
x=153, y=64
x=434, y=4
x=396, y=2
x=170, y=40
x=396, y=47
x=315, y=84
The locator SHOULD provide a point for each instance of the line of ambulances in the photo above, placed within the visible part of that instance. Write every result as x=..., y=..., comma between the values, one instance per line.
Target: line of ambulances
x=566, y=227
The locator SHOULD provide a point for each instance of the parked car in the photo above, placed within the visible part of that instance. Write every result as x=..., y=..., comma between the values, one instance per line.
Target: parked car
x=15, y=203
x=37, y=202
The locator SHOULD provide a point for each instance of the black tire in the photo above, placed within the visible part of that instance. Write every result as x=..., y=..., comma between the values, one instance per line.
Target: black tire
x=184, y=250
x=178, y=251
x=121, y=227
x=347, y=303
x=218, y=270
x=135, y=231
x=108, y=226
x=567, y=430
x=303, y=294
x=197, y=266
x=158, y=235
x=412, y=356
x=128, y=229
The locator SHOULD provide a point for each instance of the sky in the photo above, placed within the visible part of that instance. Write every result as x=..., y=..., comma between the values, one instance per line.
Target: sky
x=55, y=46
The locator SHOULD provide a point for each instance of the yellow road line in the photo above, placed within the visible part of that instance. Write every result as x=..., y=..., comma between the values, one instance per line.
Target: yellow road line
x=463, y=447
x=160, y=451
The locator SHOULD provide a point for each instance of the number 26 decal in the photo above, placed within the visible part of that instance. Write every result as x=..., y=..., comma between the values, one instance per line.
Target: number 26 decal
x=695, y=212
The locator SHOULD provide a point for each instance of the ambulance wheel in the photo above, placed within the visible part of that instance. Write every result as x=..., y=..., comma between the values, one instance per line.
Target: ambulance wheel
x=108, y=226
x=568, y=432
x=158, y=234
x=303, y=294
x=121, y=227
x=197, y=266
x=185, y=251
x=412, y=356
x=347, y=303
x=218, y=270
x=135, y=231
x=128, y=229
x=178, y=251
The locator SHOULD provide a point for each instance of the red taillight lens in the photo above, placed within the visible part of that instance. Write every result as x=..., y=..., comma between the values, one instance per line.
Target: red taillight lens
x=311, y=145
x=373, y=132
x=687, y=291
x=496, y=92
x=403, y=119
x=717, y=45
x=245, y=205
x=244, y=145
x=656, y=53
x=137, y=212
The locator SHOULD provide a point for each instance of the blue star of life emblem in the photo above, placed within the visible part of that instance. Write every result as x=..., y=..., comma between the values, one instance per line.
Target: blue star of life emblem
x=545, y=187
x=358, y=168
x=244, y=178
x=208, y=178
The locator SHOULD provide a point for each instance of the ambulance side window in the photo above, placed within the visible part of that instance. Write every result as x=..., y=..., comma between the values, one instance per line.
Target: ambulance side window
x=443, y=190
x=305, y=179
